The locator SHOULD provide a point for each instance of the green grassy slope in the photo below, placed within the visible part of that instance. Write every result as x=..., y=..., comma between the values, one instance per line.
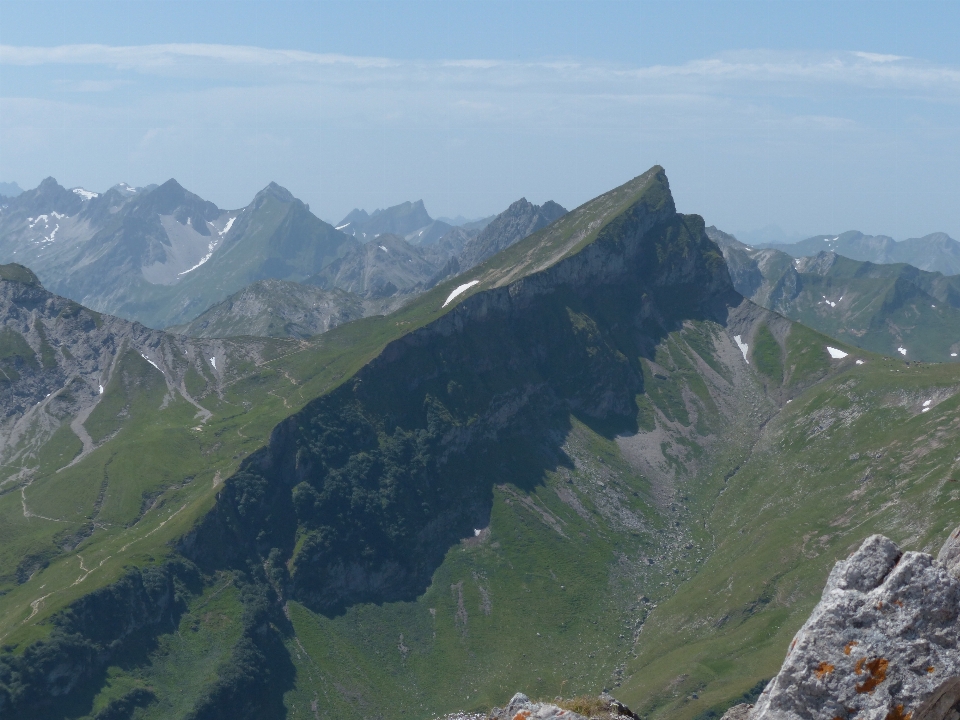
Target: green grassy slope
x=405, y=517
x=852, y=456
x=880, y=308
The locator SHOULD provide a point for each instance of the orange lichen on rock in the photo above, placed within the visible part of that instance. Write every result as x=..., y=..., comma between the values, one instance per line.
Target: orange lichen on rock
x=878, y=673
x=898, y=714
x=849, y=646
x=858, y=668
x=522, y=715
x=823, y=669
x=931, y=669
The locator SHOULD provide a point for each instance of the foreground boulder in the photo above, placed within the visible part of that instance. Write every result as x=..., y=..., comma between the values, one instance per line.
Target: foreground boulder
x=882, y=644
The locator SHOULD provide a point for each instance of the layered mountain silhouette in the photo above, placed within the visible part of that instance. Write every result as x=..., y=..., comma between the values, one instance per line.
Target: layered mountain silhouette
x=161, y=255
x=895, y=309
x=936, y=252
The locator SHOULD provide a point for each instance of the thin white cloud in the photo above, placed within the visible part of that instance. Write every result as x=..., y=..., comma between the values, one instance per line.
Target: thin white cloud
x=145, y=57
x=870, y=70
x=877, y=57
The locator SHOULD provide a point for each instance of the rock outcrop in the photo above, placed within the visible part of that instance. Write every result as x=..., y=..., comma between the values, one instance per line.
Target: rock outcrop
x=521, y=707
x=882, y=644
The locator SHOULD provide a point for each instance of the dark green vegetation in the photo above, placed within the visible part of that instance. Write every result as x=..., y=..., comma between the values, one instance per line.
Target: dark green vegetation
x=569, y=478
x=873, y=306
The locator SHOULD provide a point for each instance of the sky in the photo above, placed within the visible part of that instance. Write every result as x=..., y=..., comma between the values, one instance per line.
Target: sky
x=815, y=117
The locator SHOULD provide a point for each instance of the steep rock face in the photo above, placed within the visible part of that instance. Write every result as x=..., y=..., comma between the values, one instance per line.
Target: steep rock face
x=521, y=219
x=882, y=643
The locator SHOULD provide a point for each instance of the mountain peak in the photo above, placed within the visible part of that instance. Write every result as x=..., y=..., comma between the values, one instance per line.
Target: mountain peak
x=48, y=183
x=277, y=192
x=521, y=219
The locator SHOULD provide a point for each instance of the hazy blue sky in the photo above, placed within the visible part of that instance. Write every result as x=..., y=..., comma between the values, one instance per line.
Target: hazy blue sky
x=815, y=116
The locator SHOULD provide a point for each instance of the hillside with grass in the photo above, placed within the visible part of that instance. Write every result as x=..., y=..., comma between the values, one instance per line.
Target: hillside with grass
x=586, y=463
x=893, y=309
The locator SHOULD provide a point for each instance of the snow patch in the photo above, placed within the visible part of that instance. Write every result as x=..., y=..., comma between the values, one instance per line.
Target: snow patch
x=859, y=362
x=460, y=290
x=150, y=361
x=836, y=354
x=341, y=227
x=953, y=354
x=476, y=533
x=101, y=389
x=926, y=403
x=383, y=248
x=902, y=350
x=226, y=228
x=86, y=194
x=925, y=409
x=213, y=362
x=744, y=348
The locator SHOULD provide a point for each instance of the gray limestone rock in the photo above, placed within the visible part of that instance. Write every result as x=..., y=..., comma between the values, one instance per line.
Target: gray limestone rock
x=882, y=644
x=521, y=705
x=608, y=708
x=949, y=554
x=738, y=712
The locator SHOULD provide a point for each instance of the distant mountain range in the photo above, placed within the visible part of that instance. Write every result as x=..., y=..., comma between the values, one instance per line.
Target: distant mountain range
x=165, y=257
x=10, y=189
x=895, y=309
x=161, y=255
x=936, y=252
x=408, y=220
x=370, y=279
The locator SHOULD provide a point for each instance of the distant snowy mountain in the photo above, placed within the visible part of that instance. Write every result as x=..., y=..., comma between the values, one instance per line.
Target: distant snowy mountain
x=160, y=254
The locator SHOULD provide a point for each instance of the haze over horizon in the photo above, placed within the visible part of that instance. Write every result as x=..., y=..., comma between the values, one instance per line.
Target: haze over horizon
x=816, y=117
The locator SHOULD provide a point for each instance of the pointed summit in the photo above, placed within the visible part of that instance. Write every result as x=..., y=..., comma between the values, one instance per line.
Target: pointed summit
x=277, y=192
